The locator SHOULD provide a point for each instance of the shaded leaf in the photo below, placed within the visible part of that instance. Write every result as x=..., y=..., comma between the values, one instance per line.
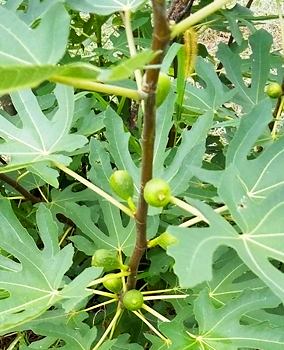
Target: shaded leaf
x=121, y=343
x=113, y=236
x=253, y=191
x=221, y=329
x=68, y=195
x=35, y=280
x=73, y=339
x=229, y=280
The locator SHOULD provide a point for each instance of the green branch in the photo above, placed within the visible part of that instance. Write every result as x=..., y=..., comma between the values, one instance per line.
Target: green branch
x=99, y=87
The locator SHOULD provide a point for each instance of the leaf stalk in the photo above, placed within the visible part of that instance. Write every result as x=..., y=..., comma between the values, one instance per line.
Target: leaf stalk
x=278, y=115
x=197, y=17
x=107, y=277
x=187, y=207
x=95, y=189
x=142, y=317
x=131, y=45
x=155, y=313
x=99, y=87
x=109, y=328
x=198, y=219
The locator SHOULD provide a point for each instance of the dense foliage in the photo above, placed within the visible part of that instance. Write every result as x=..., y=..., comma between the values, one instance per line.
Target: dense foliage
x=101, y=99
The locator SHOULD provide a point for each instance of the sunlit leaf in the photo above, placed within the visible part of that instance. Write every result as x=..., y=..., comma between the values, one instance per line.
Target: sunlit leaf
x=35, y=10
x=21, y=45
x=15, y=77
x=209, y=97
x=40, y=140
x=105, y=7
x=249, y=96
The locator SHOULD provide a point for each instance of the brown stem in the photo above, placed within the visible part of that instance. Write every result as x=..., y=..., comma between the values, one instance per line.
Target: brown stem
x=249, y=3
x=179, y=10
x=7, y=104
x=19, y=188
x=160, y=41
x=98, y=30
x=30, y=197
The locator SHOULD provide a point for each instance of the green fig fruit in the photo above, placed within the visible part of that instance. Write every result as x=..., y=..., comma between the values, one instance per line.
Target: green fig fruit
x=163, y=88
x=108, y=260
x=157, y=193
x=113, y=284
x=133, y=300
x=122, y=184
x=274, y=90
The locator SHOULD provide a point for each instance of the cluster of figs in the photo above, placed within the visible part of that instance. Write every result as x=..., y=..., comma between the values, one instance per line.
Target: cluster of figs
x=157, y=193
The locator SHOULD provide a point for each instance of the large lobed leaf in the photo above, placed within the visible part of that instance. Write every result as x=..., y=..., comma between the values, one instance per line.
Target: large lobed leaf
x=21, y=45
x=74, y=339
x=230, y=278
x=39, y=140
x=33, y=277
x=221, y=329
x=29, y=56
x=105, y=7
x=249, y=96
x=112, y=235
x=211, y=97
x=253, y=191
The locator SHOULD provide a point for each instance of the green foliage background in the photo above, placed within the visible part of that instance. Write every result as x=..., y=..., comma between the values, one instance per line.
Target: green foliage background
x=69, y=74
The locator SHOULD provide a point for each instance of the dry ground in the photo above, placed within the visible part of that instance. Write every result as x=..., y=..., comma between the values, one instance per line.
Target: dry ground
x=260, y=8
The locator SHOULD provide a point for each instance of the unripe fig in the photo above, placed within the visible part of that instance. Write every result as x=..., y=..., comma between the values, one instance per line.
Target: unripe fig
x=163, y=88
x=166, y=239
x=122, y=184
x=157, y=193
x=107, y=259
x=274, y=90
x=114, y=284
x=133, y=300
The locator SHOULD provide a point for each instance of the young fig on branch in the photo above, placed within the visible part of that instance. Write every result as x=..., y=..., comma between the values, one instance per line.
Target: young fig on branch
x=133, y=300
x=274, y=90
x=113, y=284
x=164, y=240
x=108, y=260
x=157, y=193
x=163, y=88
x=122, y=184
